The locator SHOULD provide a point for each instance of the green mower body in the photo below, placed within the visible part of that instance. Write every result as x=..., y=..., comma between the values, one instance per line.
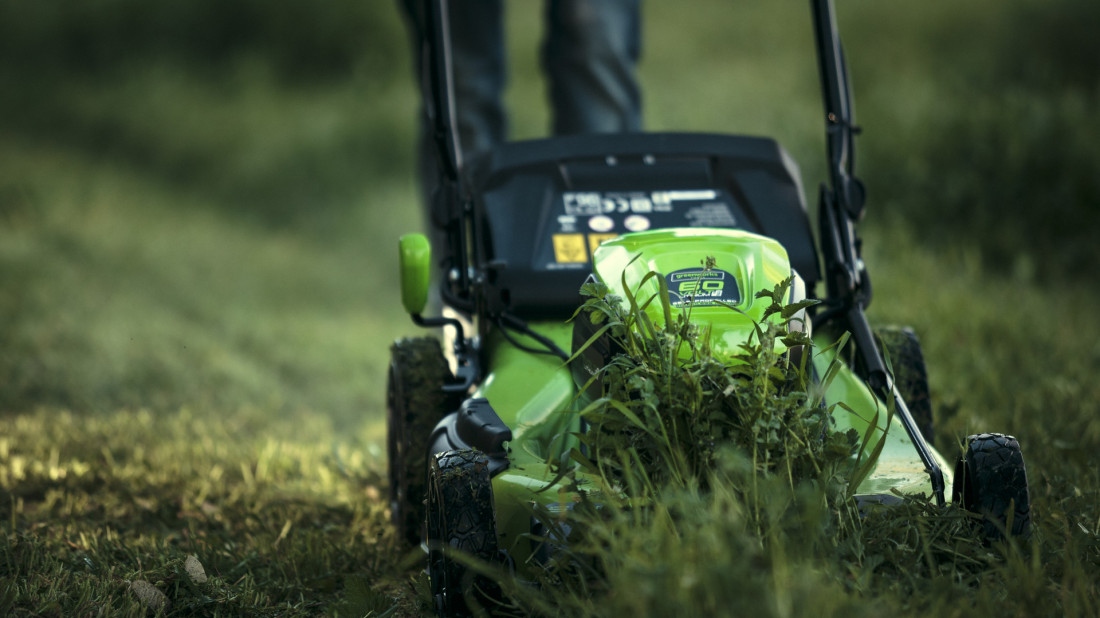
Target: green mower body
x=536, y=396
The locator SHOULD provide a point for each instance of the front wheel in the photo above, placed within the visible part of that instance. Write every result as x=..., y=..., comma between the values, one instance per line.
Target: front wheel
x=991, y=481
x=415, y=401
x=460, y=519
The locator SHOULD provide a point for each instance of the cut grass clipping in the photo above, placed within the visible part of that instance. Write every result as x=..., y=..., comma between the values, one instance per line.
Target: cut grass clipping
x=723, y=485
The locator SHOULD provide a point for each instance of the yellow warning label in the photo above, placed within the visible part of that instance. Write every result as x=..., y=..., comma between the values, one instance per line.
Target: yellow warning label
x=595, y=240
x=569, y=249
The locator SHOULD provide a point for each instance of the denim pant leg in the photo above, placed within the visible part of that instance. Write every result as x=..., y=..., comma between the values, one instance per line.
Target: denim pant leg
x=479, y=66
x=590, y=57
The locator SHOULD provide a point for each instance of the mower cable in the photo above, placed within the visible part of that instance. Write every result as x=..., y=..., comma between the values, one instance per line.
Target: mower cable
x=505, y=322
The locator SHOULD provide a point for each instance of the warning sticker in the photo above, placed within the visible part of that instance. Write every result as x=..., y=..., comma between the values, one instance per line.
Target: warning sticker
x=595, y=240
x=701, y=287
x=569, y=249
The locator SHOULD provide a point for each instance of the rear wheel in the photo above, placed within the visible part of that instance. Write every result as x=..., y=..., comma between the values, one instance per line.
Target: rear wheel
x=460, y=518
x=902, y=348
x=415, y=402
x=991, y=481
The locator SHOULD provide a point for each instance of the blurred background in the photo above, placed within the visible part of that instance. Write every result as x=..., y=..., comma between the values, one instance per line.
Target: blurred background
x=199, y=201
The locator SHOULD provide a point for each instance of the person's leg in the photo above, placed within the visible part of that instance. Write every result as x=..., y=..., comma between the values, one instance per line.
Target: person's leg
x=478, y=67
x=478, y=62
x=590, y=57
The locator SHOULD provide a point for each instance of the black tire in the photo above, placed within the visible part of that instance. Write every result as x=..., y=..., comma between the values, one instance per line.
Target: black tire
x=902, y=348
x=415, y=402
x=460, y=518
x=991, y=481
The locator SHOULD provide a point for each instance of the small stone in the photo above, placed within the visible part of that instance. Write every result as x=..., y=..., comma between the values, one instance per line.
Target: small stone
x=194, y=569
x=149, y=595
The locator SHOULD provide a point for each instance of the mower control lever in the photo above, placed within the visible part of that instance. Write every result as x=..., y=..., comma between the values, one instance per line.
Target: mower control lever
x=842, y=206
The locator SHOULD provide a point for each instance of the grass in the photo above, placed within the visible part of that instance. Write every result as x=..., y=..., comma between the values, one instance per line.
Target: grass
x=142, y=284
x=197, y=297
x=279, y=513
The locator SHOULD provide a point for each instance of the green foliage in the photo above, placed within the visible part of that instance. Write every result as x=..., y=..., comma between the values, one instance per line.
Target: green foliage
x=695, y=552
x=991, y=157
x=716, y=472
x=280, y=114
x=670, y=405
x=117, y=292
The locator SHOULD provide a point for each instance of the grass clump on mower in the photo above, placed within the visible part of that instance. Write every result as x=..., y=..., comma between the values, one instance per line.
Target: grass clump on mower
x=670, y=406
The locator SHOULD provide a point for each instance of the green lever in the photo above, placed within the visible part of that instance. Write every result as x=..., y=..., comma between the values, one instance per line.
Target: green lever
x=415, y=260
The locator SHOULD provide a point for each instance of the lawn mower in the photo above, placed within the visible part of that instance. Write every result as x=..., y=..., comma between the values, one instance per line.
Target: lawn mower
x=526, y=224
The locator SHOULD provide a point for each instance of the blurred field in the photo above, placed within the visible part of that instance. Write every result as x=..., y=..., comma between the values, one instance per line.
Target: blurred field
x=198, y=208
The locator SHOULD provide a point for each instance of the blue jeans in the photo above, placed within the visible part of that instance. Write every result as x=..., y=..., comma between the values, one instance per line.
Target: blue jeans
x=589, y=55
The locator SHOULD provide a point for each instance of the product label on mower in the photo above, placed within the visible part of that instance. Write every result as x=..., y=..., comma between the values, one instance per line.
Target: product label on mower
x=588, y=218
x=700, y=287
